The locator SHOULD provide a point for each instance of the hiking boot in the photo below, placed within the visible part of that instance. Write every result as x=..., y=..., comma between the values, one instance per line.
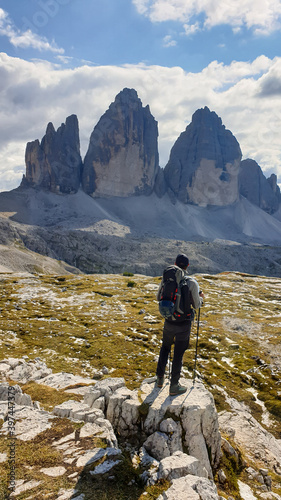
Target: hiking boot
x=177, y=390
x=160, y=381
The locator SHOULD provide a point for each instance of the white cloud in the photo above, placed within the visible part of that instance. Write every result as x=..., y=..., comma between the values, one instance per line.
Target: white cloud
x=169, y=42
x=65, y=59
x=263, y=17
x=190, y=29
x=246, y=95
x=25, y=39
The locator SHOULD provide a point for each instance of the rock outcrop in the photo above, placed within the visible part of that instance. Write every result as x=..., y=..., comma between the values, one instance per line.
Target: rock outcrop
x=173, y=439
x=263, y=192
x=55, y=163
x=122, y=158
x=204, y=163
x=257, y=442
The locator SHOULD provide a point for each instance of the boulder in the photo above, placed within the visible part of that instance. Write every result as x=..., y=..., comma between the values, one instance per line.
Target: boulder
x=191, y=488
x=122, y=158
x=55, y=163
x=179, y=465
x=204, y=163
x=164, y=443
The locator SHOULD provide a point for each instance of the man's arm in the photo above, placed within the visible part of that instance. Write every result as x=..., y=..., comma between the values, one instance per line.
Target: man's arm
x=196, y=294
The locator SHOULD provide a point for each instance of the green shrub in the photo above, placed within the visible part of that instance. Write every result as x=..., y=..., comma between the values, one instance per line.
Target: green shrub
x=131, y=284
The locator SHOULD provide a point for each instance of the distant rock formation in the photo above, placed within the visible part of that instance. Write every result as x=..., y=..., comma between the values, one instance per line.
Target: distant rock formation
x=263, y=192
x=204, y=163
x=55, y=163
x=122, y=158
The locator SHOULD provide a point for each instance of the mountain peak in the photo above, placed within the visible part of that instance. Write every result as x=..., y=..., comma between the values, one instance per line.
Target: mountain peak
x=122, y=158
x=204, y=162
x=55, y=163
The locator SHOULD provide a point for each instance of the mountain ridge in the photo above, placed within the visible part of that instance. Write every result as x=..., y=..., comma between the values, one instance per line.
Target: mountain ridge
x=138, y=234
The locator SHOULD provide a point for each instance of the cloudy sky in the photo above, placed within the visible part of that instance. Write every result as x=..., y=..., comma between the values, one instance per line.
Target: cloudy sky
x=60, y=57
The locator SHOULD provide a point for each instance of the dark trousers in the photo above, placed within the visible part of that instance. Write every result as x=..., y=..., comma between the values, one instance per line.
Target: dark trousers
x=179, y=334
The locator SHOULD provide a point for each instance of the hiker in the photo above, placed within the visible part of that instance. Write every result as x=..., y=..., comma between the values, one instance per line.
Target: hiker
x=177, y=328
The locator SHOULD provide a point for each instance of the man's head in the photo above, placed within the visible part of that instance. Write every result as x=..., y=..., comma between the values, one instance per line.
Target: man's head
x=182, y=261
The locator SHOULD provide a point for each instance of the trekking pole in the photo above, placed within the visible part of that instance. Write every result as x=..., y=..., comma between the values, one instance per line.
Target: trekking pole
x=196, y=350
x=170, y=361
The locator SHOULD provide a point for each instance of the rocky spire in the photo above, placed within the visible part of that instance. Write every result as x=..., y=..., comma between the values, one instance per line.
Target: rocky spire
x=122, y=158
x=204, y=162
x=263, y=192
x=55, y=163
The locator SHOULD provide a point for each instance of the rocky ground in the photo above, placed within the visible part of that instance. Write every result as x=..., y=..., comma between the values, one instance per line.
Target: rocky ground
x=62, y=337
x=136, y=234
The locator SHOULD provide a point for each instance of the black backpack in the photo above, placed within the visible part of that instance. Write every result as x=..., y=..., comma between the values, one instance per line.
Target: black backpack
x=175, y=300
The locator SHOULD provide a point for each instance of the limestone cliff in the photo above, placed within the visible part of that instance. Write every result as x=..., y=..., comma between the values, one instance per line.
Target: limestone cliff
x=263, y=192
x=122, y=158
x=55, y=163
x=204, y=162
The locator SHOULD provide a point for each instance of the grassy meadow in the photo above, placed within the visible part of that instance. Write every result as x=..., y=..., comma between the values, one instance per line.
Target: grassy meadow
x=109, y=325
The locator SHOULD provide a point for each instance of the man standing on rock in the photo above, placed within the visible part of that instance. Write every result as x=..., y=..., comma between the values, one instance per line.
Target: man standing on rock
x=178, y=326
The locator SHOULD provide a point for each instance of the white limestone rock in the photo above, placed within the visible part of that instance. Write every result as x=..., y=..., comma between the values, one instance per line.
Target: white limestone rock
x=22, y=487
x=3, y=457
x=3, y=410
x=4, y=368
x=100, y=404
x=91, y=396
x=26, y=371
x=174, y=432
x=270, y=496
x=179, y=465
x=29, y=422
x=70, y=408
x=105, y=467
x=13, y=362
x=67, y=494
x=146, y=459
x=191, y=488
x=63, y=380
x=129, y=421
x=256, y=442
x=14, y=394
x=157, y=445
x=196, y=412
x=80, y=411
x=164, y=443
x=92, y=456
x=114, y=409
x=54, y=471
